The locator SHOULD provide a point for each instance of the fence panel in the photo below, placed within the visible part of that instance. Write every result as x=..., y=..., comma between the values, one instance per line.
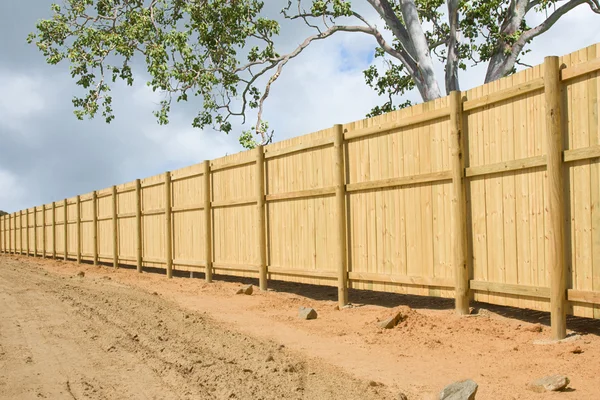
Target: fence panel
x=400, y=178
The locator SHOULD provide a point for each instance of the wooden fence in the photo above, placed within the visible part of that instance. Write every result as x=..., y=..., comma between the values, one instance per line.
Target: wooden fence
x=491, y=194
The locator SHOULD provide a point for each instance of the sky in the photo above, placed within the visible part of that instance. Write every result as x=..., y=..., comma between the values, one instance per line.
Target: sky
x=46, y=154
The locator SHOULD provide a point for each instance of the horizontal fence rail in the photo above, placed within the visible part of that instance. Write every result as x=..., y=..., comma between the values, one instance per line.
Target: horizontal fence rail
x=492, y=194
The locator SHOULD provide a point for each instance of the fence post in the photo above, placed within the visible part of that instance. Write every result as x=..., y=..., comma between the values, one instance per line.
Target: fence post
x=27, y=244
x=21, y=247
x=207, y=222
x=340, y=214
x=66, y=228
x=459, y=227
x=115, y=226
x=12, y=235
x=95, y=226
x=555, y=204
x=15, y=232
x=14, y=228
x=3, y=231
x=27, y=247
x=35, y=241
x=138, y=224
x=168, y=226
x=78, y=229
x=44, y=231
x=53, y=229
x=261, y=220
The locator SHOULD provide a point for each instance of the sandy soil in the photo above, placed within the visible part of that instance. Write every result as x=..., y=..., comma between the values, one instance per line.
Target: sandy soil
x=117, y=334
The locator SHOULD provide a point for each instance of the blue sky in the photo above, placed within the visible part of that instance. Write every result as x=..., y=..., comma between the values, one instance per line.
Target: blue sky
x=47, y=155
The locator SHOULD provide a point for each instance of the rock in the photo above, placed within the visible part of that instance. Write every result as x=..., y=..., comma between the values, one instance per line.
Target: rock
x=307, y=313
x=462, y=390
x=269, y=358
x=570, y=338
x=534, y=328
x=391, y=322
x=375, y=384
x=336, y=308
x=551, y=383
x=81, y=274
x=401, y=396
x=245, y=290
x=576, y=350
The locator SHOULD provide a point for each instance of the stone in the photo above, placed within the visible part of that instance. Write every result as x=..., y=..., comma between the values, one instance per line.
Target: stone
x=568, y=339
x=336, y=308
x=553, y=383
x=401, y=396
x=248, y=289
x=576, y=350
x=307, y=313
x=240, y=291
x=269, y=358
x=534, y=328
x=81, y=274
x=391, y=322
x=462, y=390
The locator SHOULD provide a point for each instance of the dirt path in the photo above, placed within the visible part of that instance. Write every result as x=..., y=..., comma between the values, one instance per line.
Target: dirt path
x=93, y=338
x=120, y=334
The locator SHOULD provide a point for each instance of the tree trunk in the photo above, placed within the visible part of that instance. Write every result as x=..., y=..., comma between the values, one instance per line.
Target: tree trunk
x=424, y=75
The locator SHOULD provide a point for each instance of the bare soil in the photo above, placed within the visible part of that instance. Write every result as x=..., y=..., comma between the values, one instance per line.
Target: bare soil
x=117, y=334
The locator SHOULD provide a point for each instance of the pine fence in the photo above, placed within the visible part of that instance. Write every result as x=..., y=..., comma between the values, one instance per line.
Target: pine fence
x=492, y=194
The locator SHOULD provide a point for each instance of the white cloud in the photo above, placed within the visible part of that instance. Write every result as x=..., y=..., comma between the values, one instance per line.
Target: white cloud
x=22, y=97
x=12, y=192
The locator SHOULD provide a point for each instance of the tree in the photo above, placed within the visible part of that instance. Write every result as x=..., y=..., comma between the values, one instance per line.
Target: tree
x=225, y=51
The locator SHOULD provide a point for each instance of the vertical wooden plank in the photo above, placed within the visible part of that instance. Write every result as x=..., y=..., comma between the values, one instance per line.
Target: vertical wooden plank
x=44, y=231
x=3, y=233
x=14, y=228
x=11, y=237
x=65, y=230
x=168, y=226
x=340, y=214
x=21, y=247
x=459, y=215
x=207, y=223
x=14, y=232
x=261, y=220
x=95, y=226
x=554, y=199
x=138, y=224
x=78, y=224
x=115, y=227
x=592, y=114
x=53, y=229
x=26, y=232
x=35, y=241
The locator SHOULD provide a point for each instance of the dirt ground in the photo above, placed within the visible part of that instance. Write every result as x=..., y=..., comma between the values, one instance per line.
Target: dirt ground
x=117, y=334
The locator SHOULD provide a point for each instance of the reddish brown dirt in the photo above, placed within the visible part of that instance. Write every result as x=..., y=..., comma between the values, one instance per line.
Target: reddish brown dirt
x=106, y=335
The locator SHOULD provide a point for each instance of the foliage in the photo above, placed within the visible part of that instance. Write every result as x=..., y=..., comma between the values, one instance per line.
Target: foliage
x=224, y=51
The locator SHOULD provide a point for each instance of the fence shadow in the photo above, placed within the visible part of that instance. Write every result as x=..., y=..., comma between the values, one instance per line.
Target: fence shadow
x=359, y=297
